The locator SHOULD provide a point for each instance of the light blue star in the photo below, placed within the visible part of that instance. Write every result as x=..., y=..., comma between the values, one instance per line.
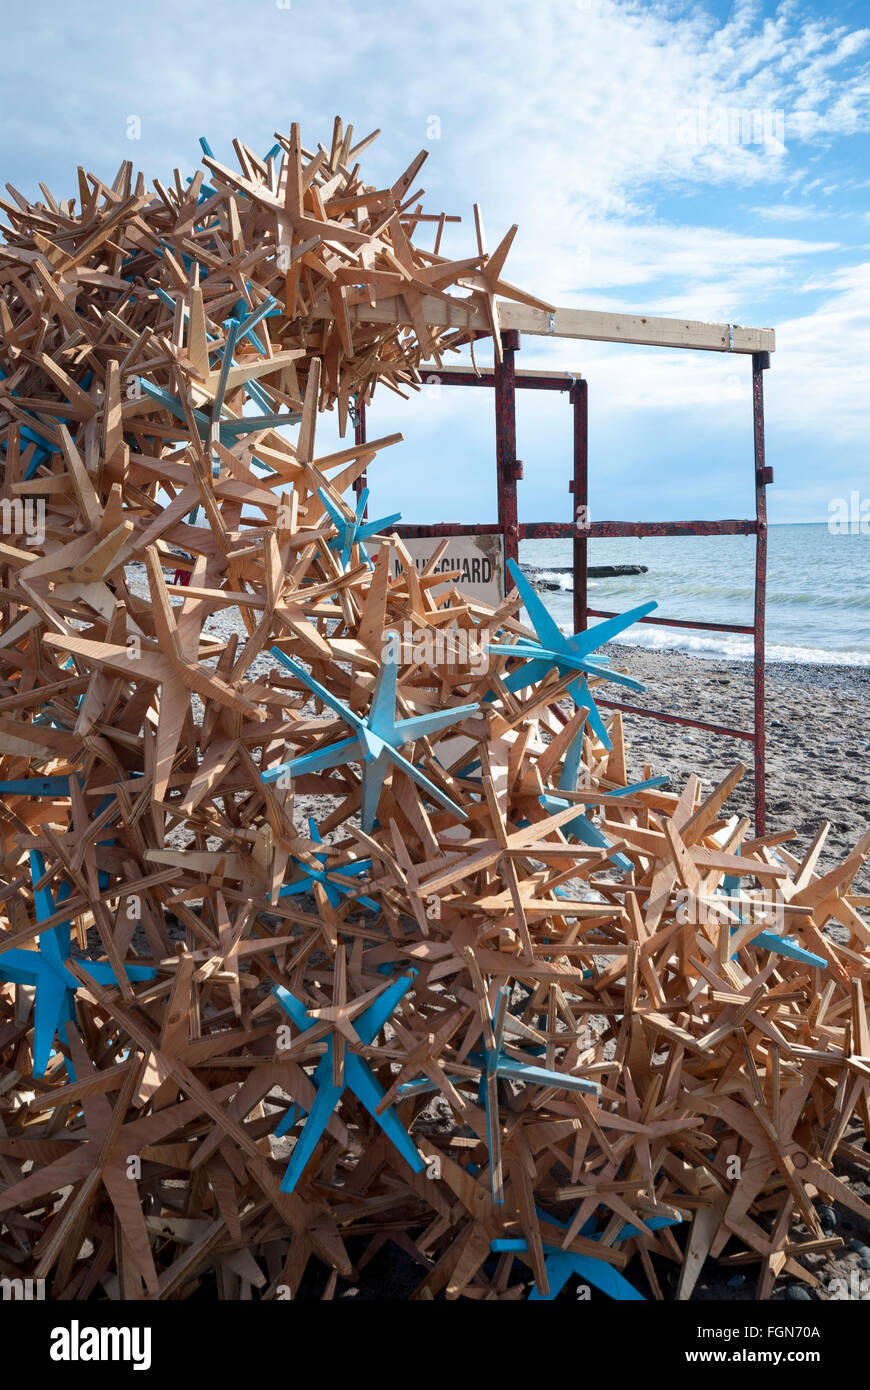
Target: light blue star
x=582, y=827
x=496, y=1065
x=229, y=428
x=561, y=1264
x=554, y=649
x=375, y=741
x=358, y=1078
x=36, y=786
x=334, y=882
x=768, y=940
x=353, y=530
x=45, y=969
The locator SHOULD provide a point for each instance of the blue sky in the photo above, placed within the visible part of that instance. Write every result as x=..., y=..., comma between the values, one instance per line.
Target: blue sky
x=603, y=129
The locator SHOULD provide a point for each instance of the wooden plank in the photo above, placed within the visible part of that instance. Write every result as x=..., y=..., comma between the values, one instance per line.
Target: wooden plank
x=644, y=330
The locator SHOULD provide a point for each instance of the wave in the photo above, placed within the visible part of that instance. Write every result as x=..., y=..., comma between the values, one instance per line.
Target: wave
x=563, y=577
x=789, y=598
x=825, y=626
x=733, y=646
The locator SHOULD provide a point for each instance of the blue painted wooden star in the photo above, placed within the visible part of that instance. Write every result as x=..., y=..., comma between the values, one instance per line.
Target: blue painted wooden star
x=496, y=1065
x=38, y=436
x=554, y=649
x=582, y=827
x=45, y=968
x=352, y=529
x=769, y=940
x=356, y=1076
x=36, y=786
x=336, y=883
x=228, y=428
x=561, y=1264
x=375, y=742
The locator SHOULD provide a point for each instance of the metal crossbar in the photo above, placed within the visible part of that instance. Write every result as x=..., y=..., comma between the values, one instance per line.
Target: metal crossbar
x=505, y=380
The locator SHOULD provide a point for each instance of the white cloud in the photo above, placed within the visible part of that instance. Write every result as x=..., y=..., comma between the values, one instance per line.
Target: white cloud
x=578, y=121
x=822, y=381
x=786, y=212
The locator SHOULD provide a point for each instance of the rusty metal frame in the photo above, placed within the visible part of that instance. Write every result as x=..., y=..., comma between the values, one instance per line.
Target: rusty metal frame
x=505, y=379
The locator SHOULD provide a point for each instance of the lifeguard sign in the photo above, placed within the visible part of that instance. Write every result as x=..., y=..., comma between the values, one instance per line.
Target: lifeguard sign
x=479, y=559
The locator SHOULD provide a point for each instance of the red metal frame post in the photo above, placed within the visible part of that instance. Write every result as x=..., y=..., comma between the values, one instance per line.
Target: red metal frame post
x=509, y=469
x=763, y=476
x=579, y=487
x=359, y=437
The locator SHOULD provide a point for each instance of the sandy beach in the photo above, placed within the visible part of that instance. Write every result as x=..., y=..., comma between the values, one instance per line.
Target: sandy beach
x=818, y=738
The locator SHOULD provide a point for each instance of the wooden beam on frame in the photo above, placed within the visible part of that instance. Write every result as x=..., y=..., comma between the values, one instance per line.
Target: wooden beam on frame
x=595, y=325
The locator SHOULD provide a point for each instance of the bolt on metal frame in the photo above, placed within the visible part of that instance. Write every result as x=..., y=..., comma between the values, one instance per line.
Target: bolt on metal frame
x=505, y=380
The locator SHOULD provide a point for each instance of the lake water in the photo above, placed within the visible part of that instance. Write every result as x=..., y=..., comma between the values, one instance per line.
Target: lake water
x=818, y=590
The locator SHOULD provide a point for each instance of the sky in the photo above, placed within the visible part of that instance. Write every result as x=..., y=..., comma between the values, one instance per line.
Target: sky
x=613, y=133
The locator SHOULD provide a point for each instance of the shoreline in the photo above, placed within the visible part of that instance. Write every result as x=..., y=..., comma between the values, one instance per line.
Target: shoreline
x=818, y=738
x=816, y=673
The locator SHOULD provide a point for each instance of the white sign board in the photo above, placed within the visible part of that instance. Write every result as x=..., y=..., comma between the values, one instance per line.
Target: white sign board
x=479, y=559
